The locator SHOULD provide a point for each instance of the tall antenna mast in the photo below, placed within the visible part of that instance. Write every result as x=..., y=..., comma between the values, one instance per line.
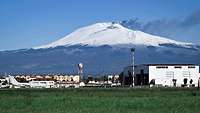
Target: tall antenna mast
x=133, y=63
x=133, y=57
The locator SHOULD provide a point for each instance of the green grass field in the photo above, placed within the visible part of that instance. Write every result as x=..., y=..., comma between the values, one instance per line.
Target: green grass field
x=91, y=100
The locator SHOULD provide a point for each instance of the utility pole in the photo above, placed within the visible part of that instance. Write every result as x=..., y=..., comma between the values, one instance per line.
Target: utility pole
x=133, y=63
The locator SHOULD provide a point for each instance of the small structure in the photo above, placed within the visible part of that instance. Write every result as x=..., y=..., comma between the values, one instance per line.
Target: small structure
x=80, y=71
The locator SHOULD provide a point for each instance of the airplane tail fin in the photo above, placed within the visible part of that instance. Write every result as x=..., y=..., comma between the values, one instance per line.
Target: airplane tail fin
x=12, y=80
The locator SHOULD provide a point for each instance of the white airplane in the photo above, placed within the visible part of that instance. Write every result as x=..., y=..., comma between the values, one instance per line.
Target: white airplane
x=3, y=83
x=31, y=84
x=16, y=84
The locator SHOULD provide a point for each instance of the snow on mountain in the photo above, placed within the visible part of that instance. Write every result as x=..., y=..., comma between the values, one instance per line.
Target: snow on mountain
x=108, y=51
x=111, y=34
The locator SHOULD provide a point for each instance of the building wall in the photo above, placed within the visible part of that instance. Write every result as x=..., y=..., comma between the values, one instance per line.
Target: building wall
x=69, y=78
x=165, y=75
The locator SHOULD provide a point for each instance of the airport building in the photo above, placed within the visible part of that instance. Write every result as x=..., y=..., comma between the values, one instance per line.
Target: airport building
x=169, y=75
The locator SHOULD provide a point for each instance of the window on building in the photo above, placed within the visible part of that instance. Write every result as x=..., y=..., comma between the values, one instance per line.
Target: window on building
x=169, y=74
x=191, y=66
x=177, y=67
x=161, y=67
x=186, y=74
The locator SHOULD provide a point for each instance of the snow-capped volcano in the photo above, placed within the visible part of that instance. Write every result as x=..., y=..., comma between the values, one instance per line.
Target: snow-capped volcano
x=110, y=34
x=106, y=50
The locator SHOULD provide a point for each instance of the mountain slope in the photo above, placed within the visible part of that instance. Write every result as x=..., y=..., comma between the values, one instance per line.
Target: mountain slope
x=111, y=34
x=103, y=48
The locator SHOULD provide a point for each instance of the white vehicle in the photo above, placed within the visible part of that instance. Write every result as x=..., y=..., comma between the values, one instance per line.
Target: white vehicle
x=31, y=84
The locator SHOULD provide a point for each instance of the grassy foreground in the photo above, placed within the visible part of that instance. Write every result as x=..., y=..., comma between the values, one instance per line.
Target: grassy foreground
x=93, y=100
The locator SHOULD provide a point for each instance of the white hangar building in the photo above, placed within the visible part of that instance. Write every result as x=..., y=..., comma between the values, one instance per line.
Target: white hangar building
x=178, y=75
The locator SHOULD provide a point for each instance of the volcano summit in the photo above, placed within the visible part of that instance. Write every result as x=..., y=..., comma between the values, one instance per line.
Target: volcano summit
x=103, y=48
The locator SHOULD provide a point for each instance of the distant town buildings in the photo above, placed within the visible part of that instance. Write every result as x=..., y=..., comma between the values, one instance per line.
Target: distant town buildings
x=157, y=75
x=57, y=78
x=63, y=80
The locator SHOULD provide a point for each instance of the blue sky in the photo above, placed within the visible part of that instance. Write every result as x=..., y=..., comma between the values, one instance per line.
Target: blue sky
x=30, y=23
